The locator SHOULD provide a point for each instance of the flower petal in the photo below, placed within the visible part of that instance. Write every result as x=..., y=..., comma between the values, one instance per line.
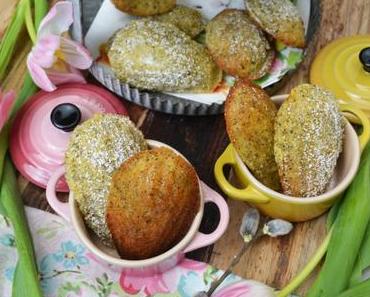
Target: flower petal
x=44, y=51
x=246, y=288
x=39, y=75
x=58, y=20
x=59, y=78
x=82, y=260
x=150, y=284
x=6, y=103
x=75, y=54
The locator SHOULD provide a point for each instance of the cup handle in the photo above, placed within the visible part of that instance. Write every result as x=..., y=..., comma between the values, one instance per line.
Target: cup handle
x=201, y=240
x=248, y=194
x=357, y=116
x=61, y=208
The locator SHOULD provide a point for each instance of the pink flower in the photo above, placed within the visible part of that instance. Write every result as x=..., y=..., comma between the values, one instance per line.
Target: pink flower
x=161, y=282
x=55, y=59
x=151, y=284
x=245, y=289
x=6, y=103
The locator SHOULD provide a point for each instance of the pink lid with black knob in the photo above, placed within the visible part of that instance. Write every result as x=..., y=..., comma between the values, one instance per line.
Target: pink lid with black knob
x=42, y=128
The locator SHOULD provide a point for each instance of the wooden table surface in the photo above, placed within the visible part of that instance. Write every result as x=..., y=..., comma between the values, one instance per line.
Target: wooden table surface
x=203, y=139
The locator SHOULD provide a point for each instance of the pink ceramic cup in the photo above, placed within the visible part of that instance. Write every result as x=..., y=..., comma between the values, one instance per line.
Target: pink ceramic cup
x=37, y=146
x=191, y=241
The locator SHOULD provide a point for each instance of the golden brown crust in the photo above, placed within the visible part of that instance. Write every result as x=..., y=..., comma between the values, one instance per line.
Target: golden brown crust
x=187, y=19
x=279, y=18
x=250, y=117
x=153, y=199
x=144, y=7
x=96, y=148
x=238, y=46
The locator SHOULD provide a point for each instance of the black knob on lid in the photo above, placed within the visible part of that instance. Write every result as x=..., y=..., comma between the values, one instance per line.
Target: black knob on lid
x=65, y=116
x=365, y=58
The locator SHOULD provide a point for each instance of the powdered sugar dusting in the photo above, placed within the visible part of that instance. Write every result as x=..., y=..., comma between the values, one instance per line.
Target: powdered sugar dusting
x=308, y=140
x=237, y=44
x=272, y=13
x=96, y=148
x=158, y=56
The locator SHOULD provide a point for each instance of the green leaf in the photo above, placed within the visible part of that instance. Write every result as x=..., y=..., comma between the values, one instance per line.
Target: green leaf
x=50, y=231
x=67, y=288
x=361, y=290
x=4, y=142
x=11, y=205
x=363, y=260
x=333, y=214
x=2, y=210
x=26, y=281
x=107, y=291
x=349, y=229
x=28, y=89
x=99, y=281
x=41, y=9
x=9, y=40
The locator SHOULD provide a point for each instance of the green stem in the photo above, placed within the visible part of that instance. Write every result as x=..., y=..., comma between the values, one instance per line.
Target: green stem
x=29, y=23
x=41, y=9
x=28, y=89
x=4, y=139
x=307, y=270
x=26, y=267
x=10, y=37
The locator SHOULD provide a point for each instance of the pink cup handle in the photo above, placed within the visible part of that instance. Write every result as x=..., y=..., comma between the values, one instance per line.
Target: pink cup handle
x=60, y=208
x=201, y=240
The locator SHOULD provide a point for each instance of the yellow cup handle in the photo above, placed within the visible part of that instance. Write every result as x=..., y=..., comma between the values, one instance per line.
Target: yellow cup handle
x=357, y=116
x=248, y=194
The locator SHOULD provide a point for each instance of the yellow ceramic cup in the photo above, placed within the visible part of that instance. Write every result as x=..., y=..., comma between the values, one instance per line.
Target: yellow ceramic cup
x=296, y=209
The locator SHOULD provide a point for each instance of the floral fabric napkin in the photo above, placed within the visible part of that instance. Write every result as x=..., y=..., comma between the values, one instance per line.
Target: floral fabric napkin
x=68, y=269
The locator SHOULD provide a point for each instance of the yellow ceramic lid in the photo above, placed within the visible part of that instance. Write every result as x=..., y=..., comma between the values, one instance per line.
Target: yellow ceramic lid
x=343, y=67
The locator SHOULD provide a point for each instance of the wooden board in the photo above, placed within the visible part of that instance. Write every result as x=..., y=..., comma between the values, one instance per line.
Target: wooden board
x=202, y=140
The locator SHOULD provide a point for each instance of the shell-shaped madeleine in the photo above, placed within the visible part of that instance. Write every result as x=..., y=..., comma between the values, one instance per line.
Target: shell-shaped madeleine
x=250, y=118
x=153, y=199
x=279, y=18
x=158, y=56
x=238, y=46
x=308, y=140
x=96, y=148
x=144, y=7
x=185, y=18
